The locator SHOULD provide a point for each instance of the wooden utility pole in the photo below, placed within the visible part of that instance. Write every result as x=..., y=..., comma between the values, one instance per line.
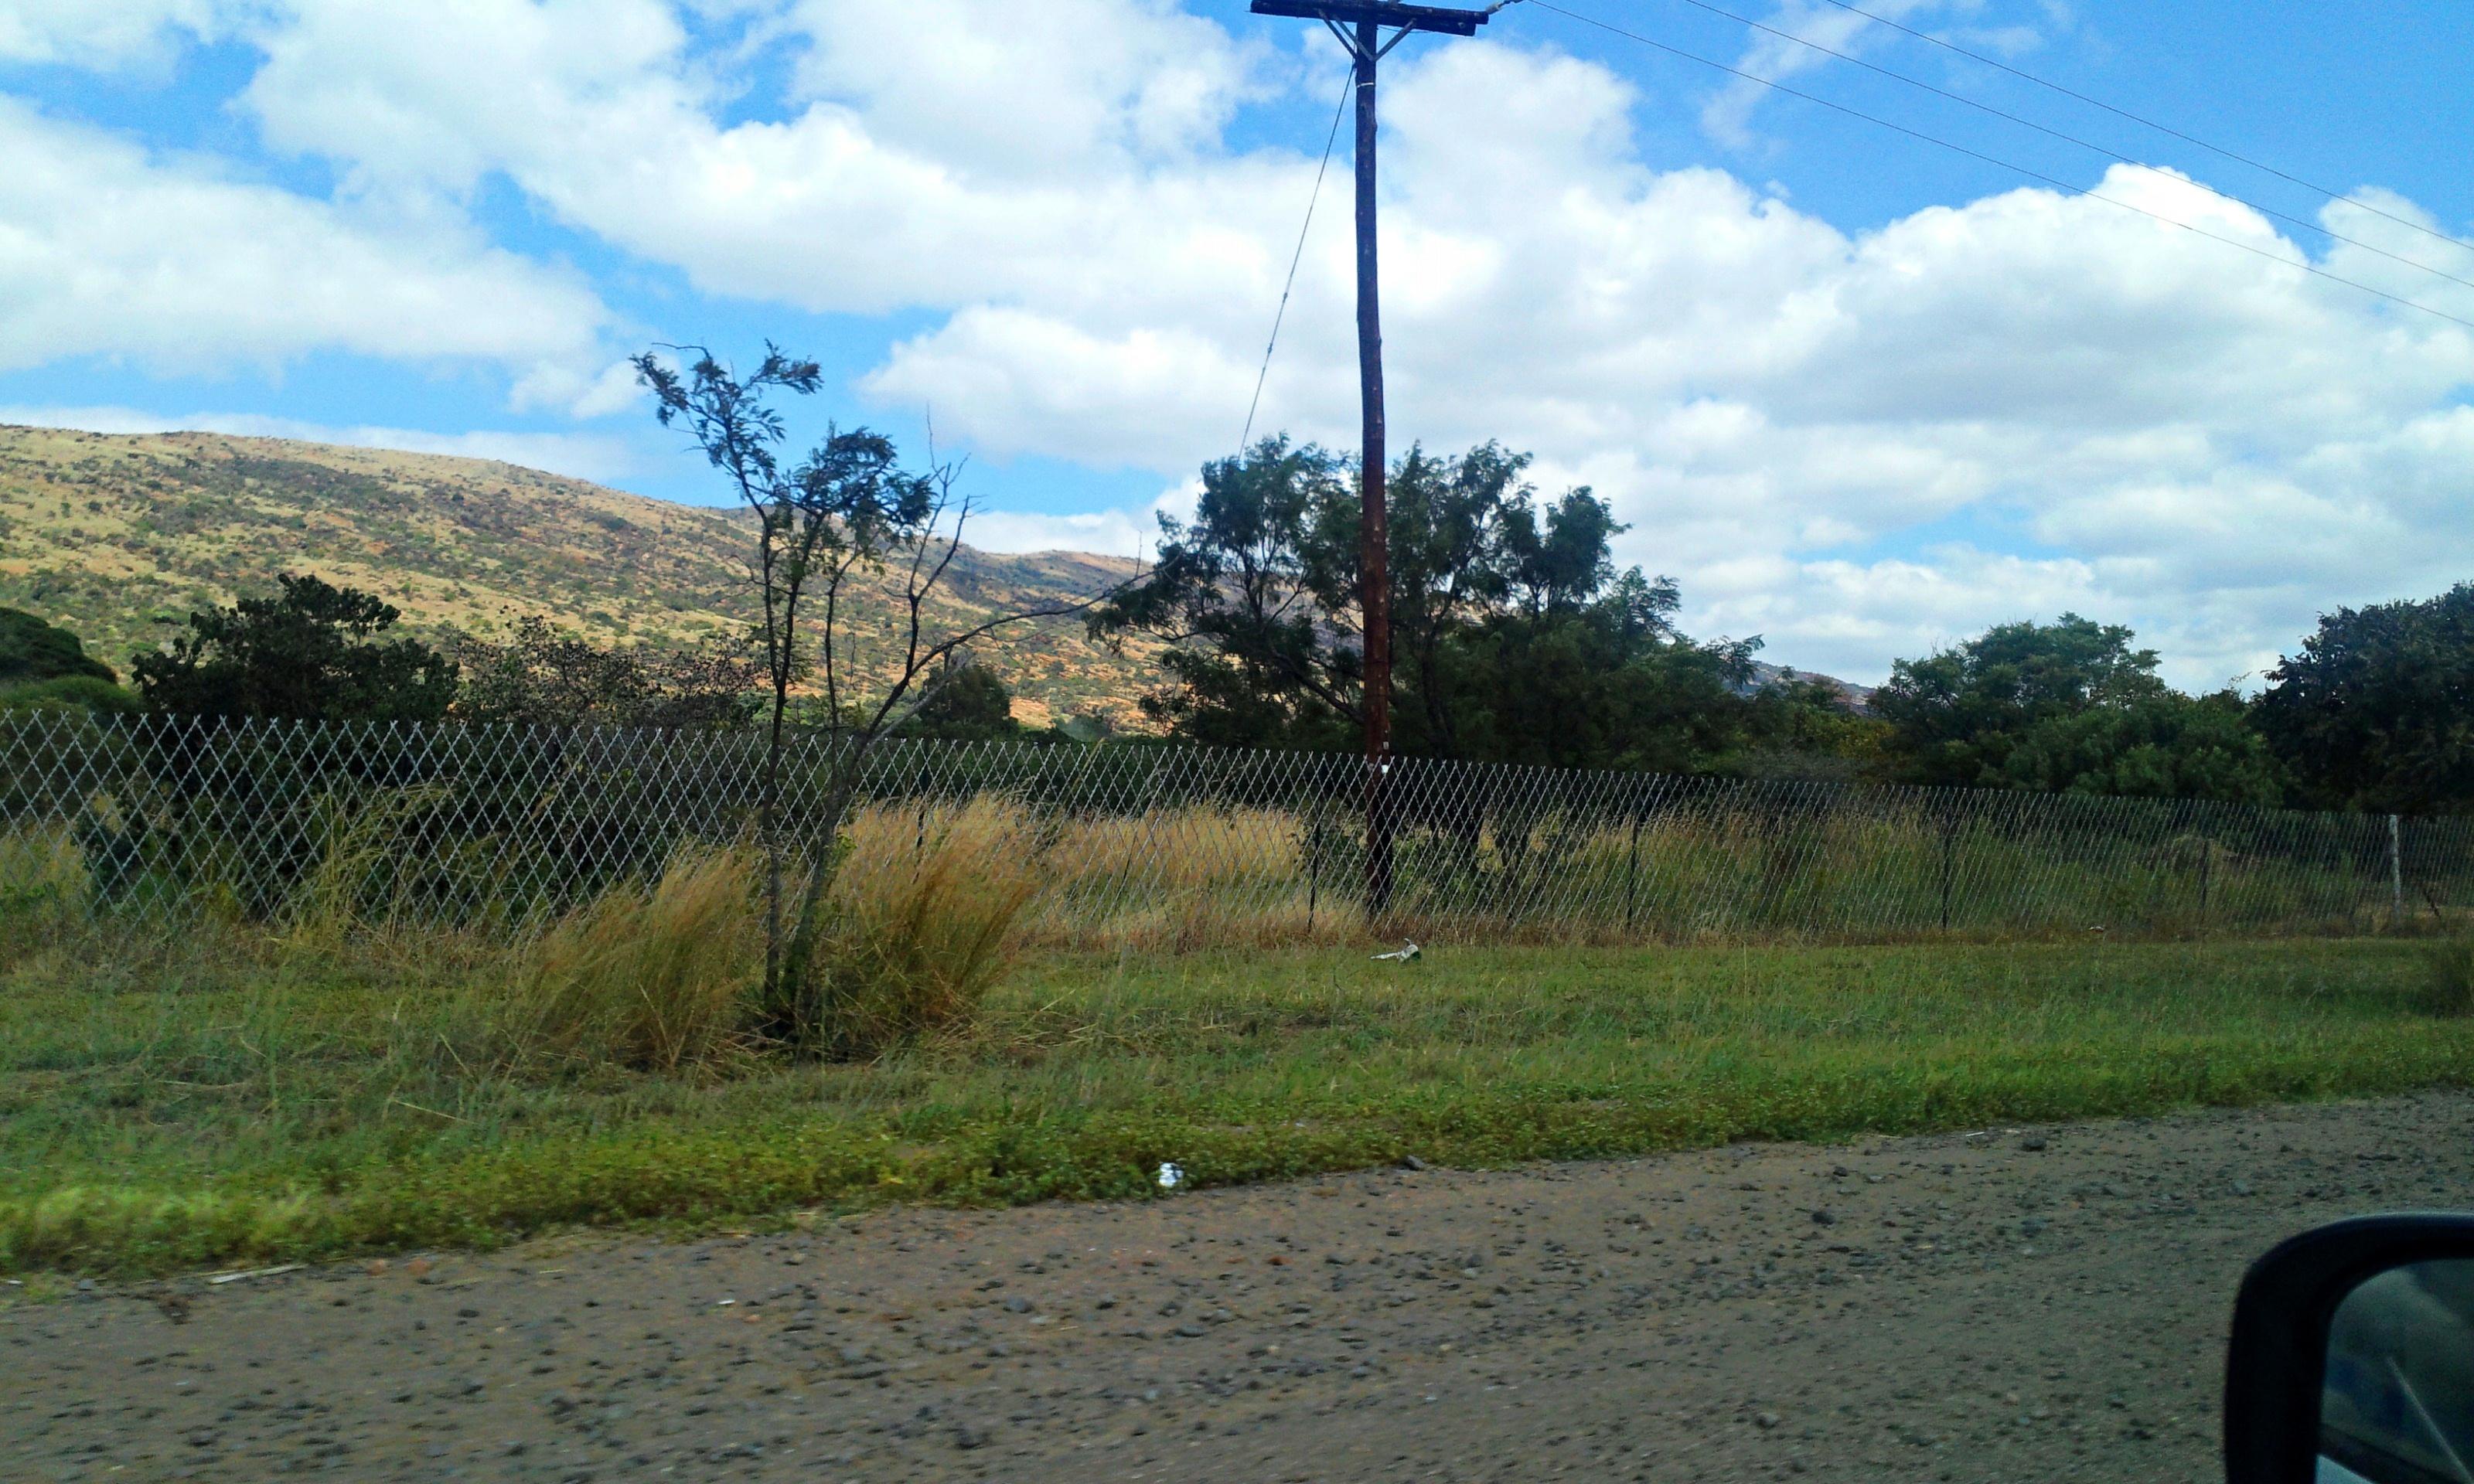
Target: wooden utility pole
x=1360, y=24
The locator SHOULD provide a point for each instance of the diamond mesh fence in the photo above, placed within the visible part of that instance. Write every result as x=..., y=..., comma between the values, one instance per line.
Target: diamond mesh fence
x=155, y=821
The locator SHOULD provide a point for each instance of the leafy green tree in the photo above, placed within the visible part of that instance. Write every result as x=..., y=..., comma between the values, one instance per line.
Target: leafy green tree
x=314, y=652
x=541, y=677
x=840, y=520
x=1602, y=682
x=969, y=704
x=1956, y=716
x=1253, y=597
x=1805, y=729
x=2377, y=711
x=2169, y=746
x=31, y=650
x=1515, y=637
x=2071, y=706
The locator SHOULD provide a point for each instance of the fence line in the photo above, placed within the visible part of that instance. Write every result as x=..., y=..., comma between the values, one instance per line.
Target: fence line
x=151, y=821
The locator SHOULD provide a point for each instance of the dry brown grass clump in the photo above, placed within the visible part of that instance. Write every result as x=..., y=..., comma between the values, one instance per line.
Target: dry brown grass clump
x=42, y=887
x=2450, y=991
x=655, y=980
x=923, y=919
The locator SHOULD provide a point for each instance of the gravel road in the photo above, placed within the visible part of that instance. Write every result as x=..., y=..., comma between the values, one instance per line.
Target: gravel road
x=2021, y=1305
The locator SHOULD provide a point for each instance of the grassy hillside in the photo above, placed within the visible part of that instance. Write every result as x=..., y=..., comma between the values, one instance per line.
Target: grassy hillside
x=109, y=535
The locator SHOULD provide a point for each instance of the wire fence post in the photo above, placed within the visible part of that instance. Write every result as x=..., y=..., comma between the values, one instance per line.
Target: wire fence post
x=1948, y=848
x=1313, y=862
x=1631, y=872
x=2396, y=870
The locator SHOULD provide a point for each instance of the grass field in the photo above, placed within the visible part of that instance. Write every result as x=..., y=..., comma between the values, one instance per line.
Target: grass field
x=191, y=1113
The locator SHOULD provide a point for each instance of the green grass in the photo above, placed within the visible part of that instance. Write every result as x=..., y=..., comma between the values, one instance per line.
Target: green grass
x=171, y=1117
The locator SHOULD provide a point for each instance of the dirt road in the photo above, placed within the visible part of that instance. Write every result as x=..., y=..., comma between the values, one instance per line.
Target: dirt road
x=2029, y=1304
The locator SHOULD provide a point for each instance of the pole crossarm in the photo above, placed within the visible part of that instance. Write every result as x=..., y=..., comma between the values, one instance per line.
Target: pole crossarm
x=1441, y=19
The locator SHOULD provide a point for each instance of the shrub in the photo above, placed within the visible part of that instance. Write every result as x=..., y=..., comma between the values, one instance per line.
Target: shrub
x=69, y=695
x=655, y=980
x=43, y=888
x=31, y=650
x=2450, y=991
x=923, y=919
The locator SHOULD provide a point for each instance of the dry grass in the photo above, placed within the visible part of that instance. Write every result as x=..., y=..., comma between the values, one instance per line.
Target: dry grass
x=337, y=899
x=653, y=980
x=923, y=921
x=2450, y=991
x=43, y=884
x=1173, y=849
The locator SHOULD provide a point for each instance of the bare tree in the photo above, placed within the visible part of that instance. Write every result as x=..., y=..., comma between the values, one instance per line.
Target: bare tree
x=831, y=531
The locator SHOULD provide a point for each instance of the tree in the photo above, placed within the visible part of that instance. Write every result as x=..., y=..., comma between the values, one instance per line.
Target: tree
x=1515, y=637
x=1252, y=596
x=1957, y=717
x=44, y=668
x=314, y=652
x=970, y=705
x=844, y=515
x=2169, y=746
x=1605, y=683
x=31, y=650
x=539, y=677
x=2377, y=711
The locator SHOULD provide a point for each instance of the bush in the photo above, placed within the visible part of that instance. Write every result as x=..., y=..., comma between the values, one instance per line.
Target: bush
x=43, y=888
x=923, y=917
x=657, y=981
x=2450, y=991
x=69, y=695
x=33, y=651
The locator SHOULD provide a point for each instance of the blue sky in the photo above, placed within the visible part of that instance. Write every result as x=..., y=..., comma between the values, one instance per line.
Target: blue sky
x=1860, y=394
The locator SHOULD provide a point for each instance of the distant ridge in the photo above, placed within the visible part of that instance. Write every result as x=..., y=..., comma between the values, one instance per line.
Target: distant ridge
x=108, y=532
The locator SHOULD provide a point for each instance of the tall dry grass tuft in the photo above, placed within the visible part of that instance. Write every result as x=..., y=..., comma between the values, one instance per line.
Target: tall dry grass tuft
x=2450, y=989
x=654, y=980
x=339, y=898
x=924, y=912
x=43, y=888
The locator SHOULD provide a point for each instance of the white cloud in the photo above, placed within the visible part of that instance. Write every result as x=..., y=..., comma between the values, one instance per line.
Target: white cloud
x=1133, y=399
x=109, y=32
x=598, y=109
x=1112, y=533
x=1857, y=444
x=598, y=457
x=178, y=267
x=1005, y=90
x=573, y=388
x=1728, y=116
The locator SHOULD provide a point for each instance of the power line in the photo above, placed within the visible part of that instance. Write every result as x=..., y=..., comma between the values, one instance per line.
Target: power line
x=1349, y=87
x=2145, y=123
x=2069, y=138
x=2055, y=182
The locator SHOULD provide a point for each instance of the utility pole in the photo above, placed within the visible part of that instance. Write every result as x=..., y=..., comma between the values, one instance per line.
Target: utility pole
x=1360, y=24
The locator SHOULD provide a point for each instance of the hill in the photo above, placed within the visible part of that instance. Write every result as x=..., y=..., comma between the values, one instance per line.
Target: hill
x=110, y=535
x=113, y=536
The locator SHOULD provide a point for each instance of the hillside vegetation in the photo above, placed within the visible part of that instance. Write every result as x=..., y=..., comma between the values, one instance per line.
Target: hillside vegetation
x=107, y=534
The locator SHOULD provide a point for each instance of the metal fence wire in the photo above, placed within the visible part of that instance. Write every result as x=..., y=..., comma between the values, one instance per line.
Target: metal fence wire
x=152, y=822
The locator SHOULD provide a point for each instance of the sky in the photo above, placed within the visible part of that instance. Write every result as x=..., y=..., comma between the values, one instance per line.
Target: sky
x=1861, y=394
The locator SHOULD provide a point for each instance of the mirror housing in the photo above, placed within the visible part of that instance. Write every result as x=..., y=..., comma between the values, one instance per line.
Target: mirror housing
x=2276, y=1367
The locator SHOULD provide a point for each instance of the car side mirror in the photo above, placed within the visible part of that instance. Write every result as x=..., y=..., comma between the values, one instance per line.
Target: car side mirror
x=2353, y=1357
